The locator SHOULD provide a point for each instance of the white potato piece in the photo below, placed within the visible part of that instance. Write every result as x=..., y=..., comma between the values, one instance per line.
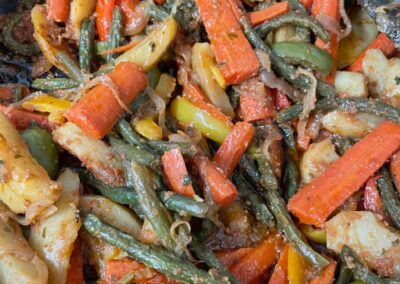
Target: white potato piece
x=392, y=78
x=53, y=237
x=202, y=61
x=347, y=124
x=25, y=186
x=376, y=244
x=94, y=154
x=353, y=84
x=18, y=262
x=112, y=213
x=316, y=159
x=375, y=67
x=80, y=10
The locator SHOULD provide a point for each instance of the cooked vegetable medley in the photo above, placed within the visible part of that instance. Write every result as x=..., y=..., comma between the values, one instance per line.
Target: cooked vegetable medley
x=199, y=141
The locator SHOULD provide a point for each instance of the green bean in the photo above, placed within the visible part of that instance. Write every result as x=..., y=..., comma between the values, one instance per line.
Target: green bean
x=361, y=271
x=86, y=44
x=100, y=47
x=132, y=153
x=54, y=84
x=208, y=257
x=282, y=68
x=295, y=5
x=343, y=144
x=43, y=149
x=288, y=136
x=125, y=130
x=286, y=225
x=390, y=198
x=114, y=34
x=158, y=12
x=183, y=205
x=262, y=213
x=71, y=67
x=306, y=55
x=120, y=195
x=289, y=113
x=290, y=178
x=295, y=19
x=345, y=274
x=27, y=49
x=151, y=256
x=161, y=147
x=153, y=210
x=267, y=177
x=139, y=101
x=249, y=167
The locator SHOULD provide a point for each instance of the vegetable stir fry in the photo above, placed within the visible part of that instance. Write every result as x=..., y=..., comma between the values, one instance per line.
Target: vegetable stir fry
x=200, y=141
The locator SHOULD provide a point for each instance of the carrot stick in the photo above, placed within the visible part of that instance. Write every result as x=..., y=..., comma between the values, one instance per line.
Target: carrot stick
x=231, y=257
x=253, y=107
x=176, y=172
x=395, y=170
x=104, y=11
x=329, y=8
x=222, y=190
x=118, y=268
x=97, y=111
x=255, y=264
x=315, y=202
x=280, y=274
x=233, y=147
x=381, y=42
x=327, y=275
x=119, y=49
x=269, y=13
x=58, y=10
x=197, y=97
x=372, y=199
x=75, y=271
x=22, y=118
x=234, y=54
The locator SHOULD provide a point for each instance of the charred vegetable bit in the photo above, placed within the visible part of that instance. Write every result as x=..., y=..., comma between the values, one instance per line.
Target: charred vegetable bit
x=390, y=198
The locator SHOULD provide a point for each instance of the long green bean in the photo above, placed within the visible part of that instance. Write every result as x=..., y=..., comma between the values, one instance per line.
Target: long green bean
x=70, y=66
x=183, y=205
x=345, y=275
x=152, y=209
x=54, y=84
x=290, y=178
x=161, y=147
x=86, y=44
x=154, y=257
x=158, y=13
x=267, y=178
x=295, y=5
x=296, y=19
x=390, y=198
x=115, y=33
x=288, y=136
x=361, y=271
x=207, y=255
x=130, y=136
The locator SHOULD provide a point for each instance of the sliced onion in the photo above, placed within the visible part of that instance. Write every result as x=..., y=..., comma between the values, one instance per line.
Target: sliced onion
x=272, y=136
x=264, y=59
x=160, y=109
x=311, y=97
x=141, y=16
x=272, y=81
x=329, y=23
x=346, y=20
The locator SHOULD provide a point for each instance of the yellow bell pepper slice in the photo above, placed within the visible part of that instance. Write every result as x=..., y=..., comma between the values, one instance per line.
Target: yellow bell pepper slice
x=148, y=129
x=55, y=107
x=314, y=234
x=297, y=266
x=219, y=78
x=150, y=50
x=209, y=126
x=166, y=85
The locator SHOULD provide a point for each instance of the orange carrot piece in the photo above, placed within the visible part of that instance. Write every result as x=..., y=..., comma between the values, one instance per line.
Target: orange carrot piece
x=22, y=118
x=6, y=93
x=315, y=202
x=222, y=190
x=176, y=172
x=269, y=13
x=132, y=17
x=329, y=8
x=119, y=49
x=159, y=2
x=281, y=100
x=280, y=274
x=237, y=59
x=372, y=199
x=104, y=11
x=395, y=170
x=58, y=10
x=253, y=107
x=97, y=111
x=233, y=147
x=307, y=3
x=118, y=268
x=327, y=275
x=197, y=97
x=381, y=42
x=255, y=264
x=75, y=271
x=231, y=257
